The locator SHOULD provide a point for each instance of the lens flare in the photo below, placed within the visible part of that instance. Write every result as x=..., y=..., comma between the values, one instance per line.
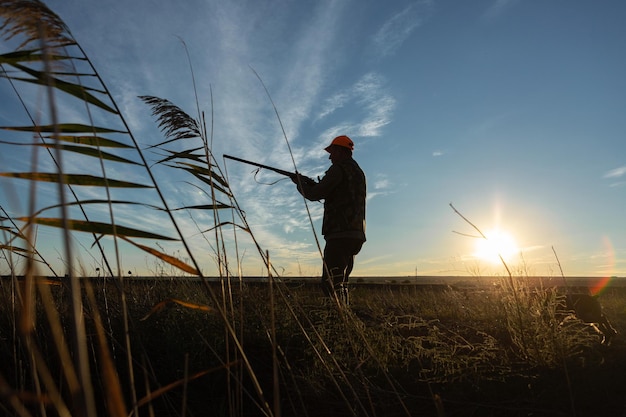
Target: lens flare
x=603, y=282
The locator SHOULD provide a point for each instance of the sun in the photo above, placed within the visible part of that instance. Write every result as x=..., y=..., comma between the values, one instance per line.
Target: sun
x=499, y=243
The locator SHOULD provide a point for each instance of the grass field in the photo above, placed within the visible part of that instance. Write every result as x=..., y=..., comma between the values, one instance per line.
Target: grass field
x=123, y=346
x=419, y=350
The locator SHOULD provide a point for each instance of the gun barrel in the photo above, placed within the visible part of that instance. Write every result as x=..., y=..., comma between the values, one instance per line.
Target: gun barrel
x=277, y=170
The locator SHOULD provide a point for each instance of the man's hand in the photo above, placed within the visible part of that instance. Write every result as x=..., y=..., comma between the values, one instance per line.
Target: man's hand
x=298, y=179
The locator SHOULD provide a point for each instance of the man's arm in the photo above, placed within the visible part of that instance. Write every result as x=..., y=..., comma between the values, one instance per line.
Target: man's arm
x=315, y=191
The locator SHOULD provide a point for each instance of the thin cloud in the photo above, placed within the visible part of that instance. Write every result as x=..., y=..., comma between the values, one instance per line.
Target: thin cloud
x=616, y=173
x=381, y=184
x=378, y=118
x=334, y=103
x=312, y=52
x=370, y=98
x=498, y=8
x=399, y=27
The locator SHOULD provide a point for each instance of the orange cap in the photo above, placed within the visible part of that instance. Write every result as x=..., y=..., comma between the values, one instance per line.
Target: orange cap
x=343, y=141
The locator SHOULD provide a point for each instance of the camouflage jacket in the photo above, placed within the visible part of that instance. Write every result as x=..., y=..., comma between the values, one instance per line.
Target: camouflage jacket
x=343, y=189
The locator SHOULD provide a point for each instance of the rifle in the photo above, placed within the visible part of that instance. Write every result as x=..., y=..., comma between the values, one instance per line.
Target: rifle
x=292, y=175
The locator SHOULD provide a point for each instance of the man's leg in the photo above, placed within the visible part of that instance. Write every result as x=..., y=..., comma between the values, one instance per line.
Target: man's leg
x=333, y=268
x=353, y=247
x=338, y=263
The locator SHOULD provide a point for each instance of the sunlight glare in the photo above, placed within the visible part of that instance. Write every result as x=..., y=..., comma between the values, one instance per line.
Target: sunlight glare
x=498, y=243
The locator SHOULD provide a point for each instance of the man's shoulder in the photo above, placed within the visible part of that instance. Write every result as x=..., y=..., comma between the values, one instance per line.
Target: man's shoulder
x=344, y=168
x=349, y=162
x=353, y=165
x=334, y=169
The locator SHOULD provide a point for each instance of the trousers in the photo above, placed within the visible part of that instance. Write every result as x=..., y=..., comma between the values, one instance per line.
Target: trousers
x=339, y=257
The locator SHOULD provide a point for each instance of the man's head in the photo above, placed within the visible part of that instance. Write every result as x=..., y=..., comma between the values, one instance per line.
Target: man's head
x=340, y=148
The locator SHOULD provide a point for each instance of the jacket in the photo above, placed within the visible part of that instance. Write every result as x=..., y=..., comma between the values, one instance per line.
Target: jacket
x=343, y=189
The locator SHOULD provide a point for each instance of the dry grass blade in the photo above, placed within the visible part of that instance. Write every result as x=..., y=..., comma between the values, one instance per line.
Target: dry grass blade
x=88, y=151
x=15, y=249
x=112, y=384
x=83, y=203
x=244, y=228
x=64, y=128
x=92, y=140
x=73, y=179
x=204, y=173
x=215, y=206
x=14, y=399
x=96, y=227
x=165, y=303
x=208, y=181
x=166, y=258
x=188, y=154
x=15, y=57
x=65, y=357
x=76, y=90
x=155, y=394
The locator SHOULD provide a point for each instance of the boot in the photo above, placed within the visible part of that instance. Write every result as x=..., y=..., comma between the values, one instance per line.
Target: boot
x=344, y=295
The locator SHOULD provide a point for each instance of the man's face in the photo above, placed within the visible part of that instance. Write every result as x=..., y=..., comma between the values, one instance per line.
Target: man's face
x=337, y=154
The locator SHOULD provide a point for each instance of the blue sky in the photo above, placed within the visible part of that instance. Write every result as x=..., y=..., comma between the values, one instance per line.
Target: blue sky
x=511, y=110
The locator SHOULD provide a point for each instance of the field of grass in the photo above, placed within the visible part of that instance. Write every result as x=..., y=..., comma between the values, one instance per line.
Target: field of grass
x=122, y=346
x=399, y=350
